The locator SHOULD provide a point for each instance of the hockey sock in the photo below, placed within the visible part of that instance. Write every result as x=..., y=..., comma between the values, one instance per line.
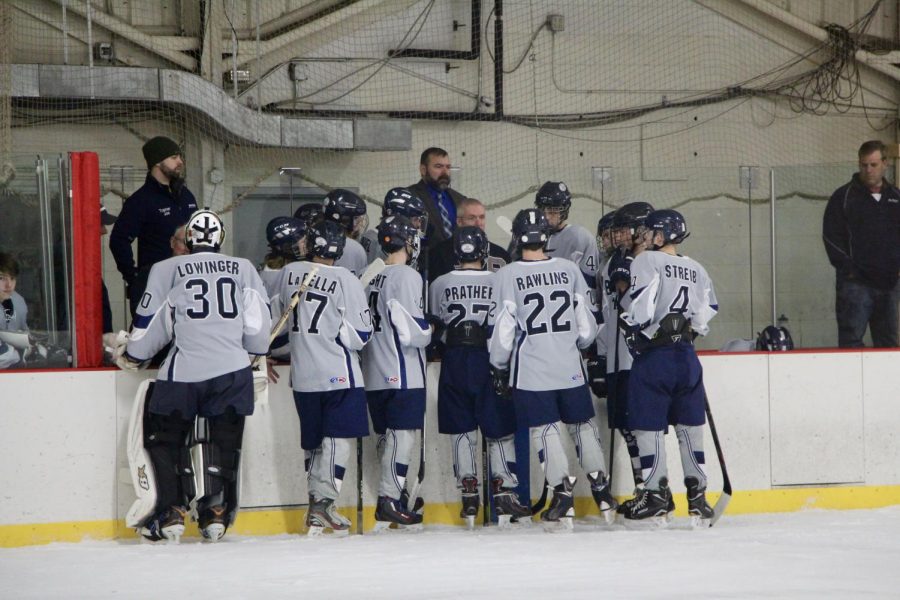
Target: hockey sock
x=586, y=436
x=327, y=466
x=464, y=465
x=546, y=440
x=690, y=443
x=634, y=454
x=652, y=447
x=398, y=445
x=502, y=453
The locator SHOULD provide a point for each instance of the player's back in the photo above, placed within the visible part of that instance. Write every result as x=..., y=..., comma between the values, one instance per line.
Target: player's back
x=665, y=283
x=394, y=357
x=323, y=346
x=354, y=257
x=576, y=243
x=462, y=295
x=543, y=297
x=212, y=299
x=270, y=278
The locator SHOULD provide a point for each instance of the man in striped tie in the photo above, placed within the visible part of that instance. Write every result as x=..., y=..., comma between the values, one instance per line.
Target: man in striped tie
x=440, y=201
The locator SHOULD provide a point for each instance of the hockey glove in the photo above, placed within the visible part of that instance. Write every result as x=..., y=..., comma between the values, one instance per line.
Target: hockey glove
x=123, y=361
x=619, y=270
x=501, y=382
x=596, y=372
x=635, y=340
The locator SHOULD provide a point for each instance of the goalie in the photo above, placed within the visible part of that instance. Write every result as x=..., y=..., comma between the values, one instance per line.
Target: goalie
x=213, y=309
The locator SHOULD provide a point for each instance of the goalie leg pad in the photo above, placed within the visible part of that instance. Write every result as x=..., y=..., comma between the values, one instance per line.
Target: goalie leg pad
x=217, y=453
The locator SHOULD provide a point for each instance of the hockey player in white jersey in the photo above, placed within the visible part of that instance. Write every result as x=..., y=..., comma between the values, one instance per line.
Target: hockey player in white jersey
x=541, y=322
x=286, y=237
x=461, y=301
x=214, y=311
x=349, y=211
x=330, y=324
x=567, y=240
x=394, y=365
x=672, y=301
x=397, y=201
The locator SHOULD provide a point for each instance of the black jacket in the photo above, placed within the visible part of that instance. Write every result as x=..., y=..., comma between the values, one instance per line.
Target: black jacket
x=149, y=215
x=435, y=233
x=441, y=259
x=862, y=235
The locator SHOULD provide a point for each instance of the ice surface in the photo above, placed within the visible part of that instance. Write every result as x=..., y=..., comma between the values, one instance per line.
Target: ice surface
x=810, y=554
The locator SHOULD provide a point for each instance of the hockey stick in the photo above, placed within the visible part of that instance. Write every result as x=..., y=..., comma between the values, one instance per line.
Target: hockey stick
x=725, y=498
x=295, y=300
x=485, y=492
x=542, y=501
x=420, y=476
x=359, y=486
x=372, y=271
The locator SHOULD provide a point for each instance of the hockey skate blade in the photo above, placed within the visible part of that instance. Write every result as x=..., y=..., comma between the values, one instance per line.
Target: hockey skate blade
x=315, y=531
x=608, y=516
x=564, y=525
x=388, y=527
x=213, y=533
x=648, y=524
x=470, y=522
x=698, y=522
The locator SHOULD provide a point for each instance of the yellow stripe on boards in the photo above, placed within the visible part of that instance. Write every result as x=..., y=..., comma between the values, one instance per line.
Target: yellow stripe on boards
x=290, y=521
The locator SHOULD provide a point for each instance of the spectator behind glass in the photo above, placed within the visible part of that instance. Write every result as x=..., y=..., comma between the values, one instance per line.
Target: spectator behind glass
x=14, y=311
x=861, y=232
x=150, y=215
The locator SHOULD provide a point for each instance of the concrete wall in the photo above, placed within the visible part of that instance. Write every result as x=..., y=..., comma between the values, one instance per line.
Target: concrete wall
x=799, y=429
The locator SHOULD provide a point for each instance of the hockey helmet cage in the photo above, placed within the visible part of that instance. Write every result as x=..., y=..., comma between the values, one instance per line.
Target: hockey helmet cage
x=204, y=228
x=470, y=244
x=774, y=339
x=670, y=223
x=395, y=232
x=530, y=227
x=326, y=239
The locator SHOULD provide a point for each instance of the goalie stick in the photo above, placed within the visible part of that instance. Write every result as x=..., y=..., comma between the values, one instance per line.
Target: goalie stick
x=295, y=300
x=725, y=498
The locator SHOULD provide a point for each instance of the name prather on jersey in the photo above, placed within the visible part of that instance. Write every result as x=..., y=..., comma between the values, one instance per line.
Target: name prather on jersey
x=468, y=292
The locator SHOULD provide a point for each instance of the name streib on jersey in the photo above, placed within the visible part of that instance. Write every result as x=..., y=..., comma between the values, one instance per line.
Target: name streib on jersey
x=208, y=268
x=542, y=279
x=677, y=272
x=318, y=282
x=468, y=292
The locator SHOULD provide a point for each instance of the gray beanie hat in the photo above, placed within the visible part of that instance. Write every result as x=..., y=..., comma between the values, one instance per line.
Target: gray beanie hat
x=159, y=149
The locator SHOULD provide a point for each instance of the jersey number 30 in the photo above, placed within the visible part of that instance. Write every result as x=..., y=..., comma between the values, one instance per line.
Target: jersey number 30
x=226, y=300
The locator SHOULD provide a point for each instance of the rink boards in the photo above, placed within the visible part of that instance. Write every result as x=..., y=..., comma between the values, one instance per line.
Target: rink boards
x=799, y=430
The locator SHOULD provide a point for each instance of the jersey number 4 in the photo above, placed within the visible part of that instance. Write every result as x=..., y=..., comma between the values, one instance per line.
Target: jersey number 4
x=536, y=323
x=226, y=300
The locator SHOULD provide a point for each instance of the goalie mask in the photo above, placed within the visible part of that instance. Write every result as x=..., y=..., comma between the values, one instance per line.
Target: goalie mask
x=204, y=230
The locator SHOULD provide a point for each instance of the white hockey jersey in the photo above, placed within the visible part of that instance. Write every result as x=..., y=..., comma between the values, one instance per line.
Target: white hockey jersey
x=542, y=319
x=354, y=258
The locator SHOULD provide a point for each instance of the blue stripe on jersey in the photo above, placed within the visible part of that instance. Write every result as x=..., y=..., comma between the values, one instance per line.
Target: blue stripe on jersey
x=421, y=365
x=715, y=307
x=516, y=360
x=364, y=335
x=142, y=321
x=423, y=323
x=400, y=358
x=637, y=293
x=172, y=363
x=347, y=361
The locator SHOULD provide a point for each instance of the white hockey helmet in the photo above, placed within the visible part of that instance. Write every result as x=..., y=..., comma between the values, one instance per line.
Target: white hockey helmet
x=204, y=228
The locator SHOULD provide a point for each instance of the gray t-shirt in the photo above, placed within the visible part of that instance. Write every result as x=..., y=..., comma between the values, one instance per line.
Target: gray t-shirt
x=212, y=307
x=329, y=325
x=394, y=358
x=541, y=321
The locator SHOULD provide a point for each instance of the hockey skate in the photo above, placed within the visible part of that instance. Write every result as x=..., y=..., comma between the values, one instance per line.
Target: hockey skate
x=507, y=505
x=562, y=508
x=212, y=523
x=648, y=509
x=322, y=515
x=603, y=496
x=470, y=501
x=698, y=508
x=167, y=525
x=391, y=514
x=418, y=506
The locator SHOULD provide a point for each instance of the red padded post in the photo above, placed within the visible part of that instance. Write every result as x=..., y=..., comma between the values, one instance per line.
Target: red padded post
x=87, y=267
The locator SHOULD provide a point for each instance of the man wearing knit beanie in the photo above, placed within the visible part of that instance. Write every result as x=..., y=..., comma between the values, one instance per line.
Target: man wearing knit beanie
x=150, y=215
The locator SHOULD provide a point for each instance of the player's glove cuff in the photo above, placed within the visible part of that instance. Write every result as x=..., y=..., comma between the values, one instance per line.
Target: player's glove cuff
x=501, y=382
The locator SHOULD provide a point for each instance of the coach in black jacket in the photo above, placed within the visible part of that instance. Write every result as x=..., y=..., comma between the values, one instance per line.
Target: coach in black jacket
x=861, y=231
x=434, y=191
x=442, y=258
x=150, y=215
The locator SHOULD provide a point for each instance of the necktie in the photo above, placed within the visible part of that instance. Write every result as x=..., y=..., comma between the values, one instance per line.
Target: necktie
x=445, y=216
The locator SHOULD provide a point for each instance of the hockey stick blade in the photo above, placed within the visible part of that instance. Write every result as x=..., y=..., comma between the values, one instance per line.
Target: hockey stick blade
x=372, y=271
x=420, y=476
x=725, y=498
x=542, y=501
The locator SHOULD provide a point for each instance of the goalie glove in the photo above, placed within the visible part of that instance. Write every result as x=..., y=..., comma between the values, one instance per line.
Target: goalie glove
x=123, y=361
x=500, y=379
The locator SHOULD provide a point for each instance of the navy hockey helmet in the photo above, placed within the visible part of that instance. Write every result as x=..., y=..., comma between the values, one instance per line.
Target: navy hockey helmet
x=605, y=223
x=631, y=215
x=326, y=239
x=396, y=232
x=283, y=235
x=308, y=212
x=400, y=201
x=530, y=227
x=205, y=229
x=343, y=206
x=470, y=244
x=670, y=223
x=554, y=195
x=774, y=339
